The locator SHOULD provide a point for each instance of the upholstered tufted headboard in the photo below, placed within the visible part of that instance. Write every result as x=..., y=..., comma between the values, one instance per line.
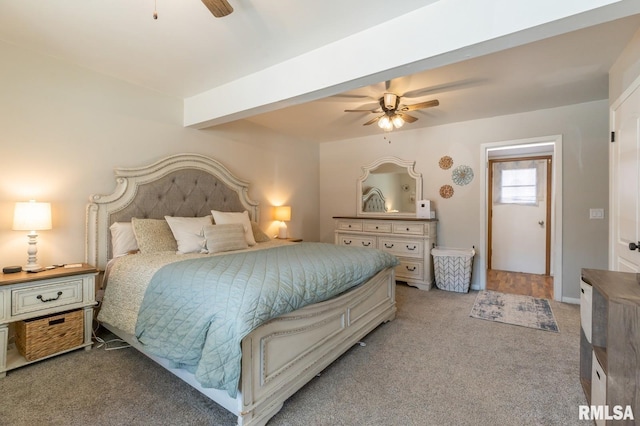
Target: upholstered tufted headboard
x=187, y=185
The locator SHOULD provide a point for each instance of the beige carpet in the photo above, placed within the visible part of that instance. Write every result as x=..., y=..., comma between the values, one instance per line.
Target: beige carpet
x=433, y=365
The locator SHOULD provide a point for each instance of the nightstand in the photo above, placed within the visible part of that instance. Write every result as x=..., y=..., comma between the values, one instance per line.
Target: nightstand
x=26, y=295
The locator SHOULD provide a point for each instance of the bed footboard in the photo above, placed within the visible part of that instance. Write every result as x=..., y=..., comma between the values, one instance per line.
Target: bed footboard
x=284, y=354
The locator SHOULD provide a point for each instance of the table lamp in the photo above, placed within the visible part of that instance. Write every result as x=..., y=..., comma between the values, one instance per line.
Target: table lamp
x=31, y=216
x=283, y=214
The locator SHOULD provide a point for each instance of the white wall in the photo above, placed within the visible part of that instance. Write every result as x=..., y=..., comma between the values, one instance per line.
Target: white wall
x=63, y=129
x=584, y=128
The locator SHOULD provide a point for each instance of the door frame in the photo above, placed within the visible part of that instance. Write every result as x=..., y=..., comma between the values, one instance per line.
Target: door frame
x=554, y=141
x=547, y=215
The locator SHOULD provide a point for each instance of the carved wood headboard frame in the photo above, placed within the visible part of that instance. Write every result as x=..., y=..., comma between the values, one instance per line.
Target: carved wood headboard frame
x=179, y=185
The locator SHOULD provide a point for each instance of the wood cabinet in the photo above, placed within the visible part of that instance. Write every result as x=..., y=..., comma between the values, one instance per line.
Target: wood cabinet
x=409, y=239
x=610, y=340
x=24, y=296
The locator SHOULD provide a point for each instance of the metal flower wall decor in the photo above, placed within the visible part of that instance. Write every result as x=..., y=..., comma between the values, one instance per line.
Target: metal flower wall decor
x=462, y=175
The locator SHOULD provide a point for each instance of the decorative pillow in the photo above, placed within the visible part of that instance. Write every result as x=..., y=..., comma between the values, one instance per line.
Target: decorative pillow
x=227, y=237
x=153, y=235
x=224, y=218
x=123, y=240
x=258, y=234
x=189, y=233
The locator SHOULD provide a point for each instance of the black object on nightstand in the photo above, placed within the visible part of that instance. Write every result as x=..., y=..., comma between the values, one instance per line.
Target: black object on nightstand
x=11, y=269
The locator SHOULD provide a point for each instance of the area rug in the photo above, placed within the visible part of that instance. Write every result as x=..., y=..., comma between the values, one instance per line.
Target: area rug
x=525, y=311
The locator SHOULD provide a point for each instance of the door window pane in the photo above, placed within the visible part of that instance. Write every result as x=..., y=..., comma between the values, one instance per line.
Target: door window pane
x=519, y=186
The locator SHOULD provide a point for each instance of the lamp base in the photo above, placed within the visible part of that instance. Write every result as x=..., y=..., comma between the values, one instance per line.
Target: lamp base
x=282, y=232
x=31, y=267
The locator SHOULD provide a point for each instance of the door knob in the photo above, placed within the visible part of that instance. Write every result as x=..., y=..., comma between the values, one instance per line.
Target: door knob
x=634, y=246
x=541, y=222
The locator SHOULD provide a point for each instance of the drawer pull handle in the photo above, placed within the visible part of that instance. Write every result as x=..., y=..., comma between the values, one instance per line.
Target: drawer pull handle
x=598, y=374
x=582, y=290
x=349, y=226
x=411, y=269
x=377, y=227
x=388, y=245
x=57, y=321
x=407, y=229
x=411, y=248
x=347, y=242
x=366, y=244
x=49, y=300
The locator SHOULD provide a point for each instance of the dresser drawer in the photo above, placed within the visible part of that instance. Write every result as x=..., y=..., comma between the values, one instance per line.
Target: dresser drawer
x=357, y=241
x=349, y=225
x=398, y=247
x=377, y=227
x=410, y=269
x=46, y=296
x=408, y=228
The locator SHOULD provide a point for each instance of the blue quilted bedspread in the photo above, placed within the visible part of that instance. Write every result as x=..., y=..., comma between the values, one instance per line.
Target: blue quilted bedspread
x=196, y=312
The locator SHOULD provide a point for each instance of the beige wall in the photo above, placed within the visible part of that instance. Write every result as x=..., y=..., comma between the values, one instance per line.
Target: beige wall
x=63, y=129
x=584, y=128
x=626, y=69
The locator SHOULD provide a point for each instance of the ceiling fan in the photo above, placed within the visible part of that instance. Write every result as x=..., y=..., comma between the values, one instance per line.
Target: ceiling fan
x=218, y=8
x=394, y=115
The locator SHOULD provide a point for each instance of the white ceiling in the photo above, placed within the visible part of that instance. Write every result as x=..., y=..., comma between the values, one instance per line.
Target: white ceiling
x=186, y=51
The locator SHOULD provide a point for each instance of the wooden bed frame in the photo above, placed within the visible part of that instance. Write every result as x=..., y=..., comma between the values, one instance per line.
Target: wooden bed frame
x=279, y=357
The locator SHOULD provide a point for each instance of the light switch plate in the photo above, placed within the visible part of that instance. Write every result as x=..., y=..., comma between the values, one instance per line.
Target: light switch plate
x=596, y=213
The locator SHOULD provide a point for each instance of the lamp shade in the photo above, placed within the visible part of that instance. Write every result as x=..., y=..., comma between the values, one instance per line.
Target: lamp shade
x=32, y=216
x=282, y=213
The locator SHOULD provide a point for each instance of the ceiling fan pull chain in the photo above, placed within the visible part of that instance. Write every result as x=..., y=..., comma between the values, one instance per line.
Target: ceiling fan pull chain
x=155, y=9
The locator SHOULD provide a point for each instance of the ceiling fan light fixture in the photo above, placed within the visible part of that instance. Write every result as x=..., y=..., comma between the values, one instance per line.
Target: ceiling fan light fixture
x=385, y=124
x=397, y=121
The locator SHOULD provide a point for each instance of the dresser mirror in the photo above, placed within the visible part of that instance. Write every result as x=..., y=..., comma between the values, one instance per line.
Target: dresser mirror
x=388, y=187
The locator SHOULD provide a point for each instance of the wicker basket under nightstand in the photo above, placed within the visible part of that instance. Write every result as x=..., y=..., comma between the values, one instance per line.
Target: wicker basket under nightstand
x=40, y=337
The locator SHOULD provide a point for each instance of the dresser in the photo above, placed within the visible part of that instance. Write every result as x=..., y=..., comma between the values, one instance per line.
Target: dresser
x=409, y=239
x=610, y=343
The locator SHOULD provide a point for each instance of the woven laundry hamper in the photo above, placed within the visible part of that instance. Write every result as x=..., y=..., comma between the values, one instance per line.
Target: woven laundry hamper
x=452, y=268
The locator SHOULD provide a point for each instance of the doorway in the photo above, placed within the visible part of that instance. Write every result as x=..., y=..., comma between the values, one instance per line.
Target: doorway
x=519, y=203
x=550, y=224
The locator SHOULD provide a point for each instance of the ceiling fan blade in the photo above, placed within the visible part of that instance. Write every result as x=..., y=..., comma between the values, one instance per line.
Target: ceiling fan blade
x=373, y=120
x=421, y=105
x=363, y=110
x=408, y=118
x=218, y=8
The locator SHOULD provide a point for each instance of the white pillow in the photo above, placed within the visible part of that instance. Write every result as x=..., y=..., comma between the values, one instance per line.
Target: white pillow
x=223, y=218
x=123, y=240
x=189, y=233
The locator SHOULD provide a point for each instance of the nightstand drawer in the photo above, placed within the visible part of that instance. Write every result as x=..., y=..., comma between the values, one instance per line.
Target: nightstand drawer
x=45, y=297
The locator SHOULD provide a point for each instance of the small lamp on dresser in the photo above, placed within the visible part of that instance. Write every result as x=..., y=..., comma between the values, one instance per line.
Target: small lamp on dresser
x=282, y=214
x=31, y=216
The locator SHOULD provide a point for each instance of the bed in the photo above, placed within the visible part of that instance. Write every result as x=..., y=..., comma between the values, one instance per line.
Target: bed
x=279, y=356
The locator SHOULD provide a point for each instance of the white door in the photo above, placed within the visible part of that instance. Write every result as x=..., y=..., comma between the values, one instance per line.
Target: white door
x=625, y=186
x=519, y=215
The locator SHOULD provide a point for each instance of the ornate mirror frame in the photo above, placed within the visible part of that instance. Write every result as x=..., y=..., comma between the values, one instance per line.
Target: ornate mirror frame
x=370, y=169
